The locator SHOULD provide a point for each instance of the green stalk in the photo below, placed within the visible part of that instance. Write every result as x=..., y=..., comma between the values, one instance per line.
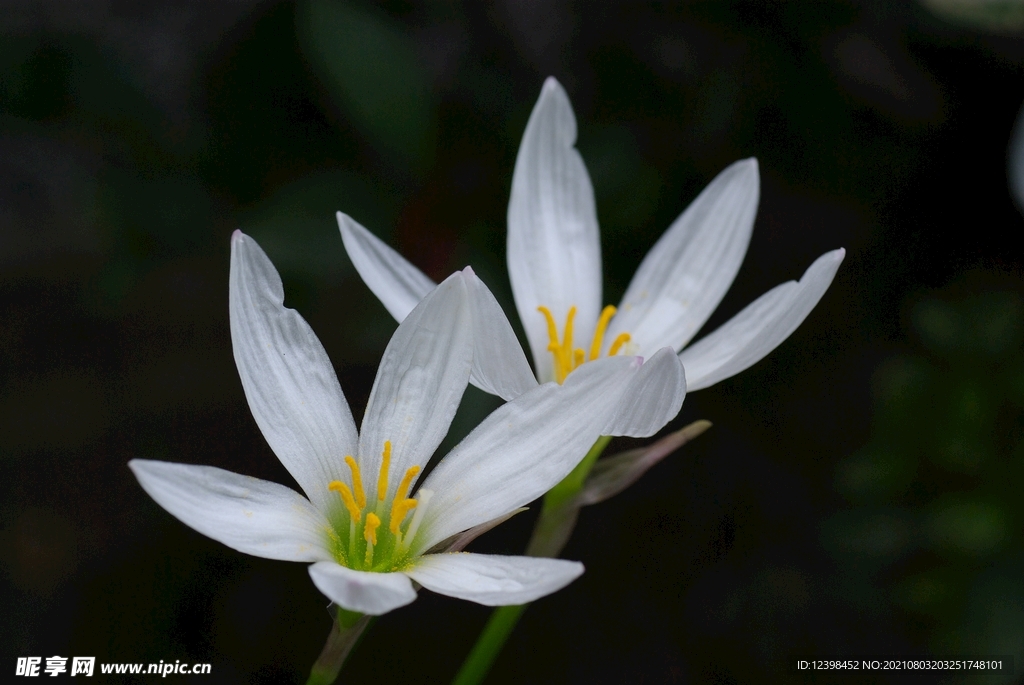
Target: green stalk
x=345, y=634
x=552, y=530
x=492, y=639
x=570, y=486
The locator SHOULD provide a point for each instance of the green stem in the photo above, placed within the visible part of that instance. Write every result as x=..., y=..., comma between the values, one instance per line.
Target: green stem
x=492, y=639
x=346, y=632
x=573, y=483
x=554, y=526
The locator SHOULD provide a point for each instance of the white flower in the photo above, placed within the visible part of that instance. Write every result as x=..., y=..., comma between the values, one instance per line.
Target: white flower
x=554, y=264
x=367, y=536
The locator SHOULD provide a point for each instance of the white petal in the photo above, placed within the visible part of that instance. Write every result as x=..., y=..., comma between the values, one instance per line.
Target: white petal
x=493, y=580
x=763, y=325
x=397, y=283
x=523, y=449
x=367, y=593
x=554, y=249
x=652, y=399
x=499, y=365
x=688, y=271
x=247, y=514
x=420, y=382
x=291, y=387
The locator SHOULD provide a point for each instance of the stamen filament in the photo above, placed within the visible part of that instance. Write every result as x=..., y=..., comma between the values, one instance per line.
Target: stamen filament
x=357, y=481
x=620, y=340
x=602, y=325
x=577, y=358
x=423, y=496
x=355, y=512
x=382, y=480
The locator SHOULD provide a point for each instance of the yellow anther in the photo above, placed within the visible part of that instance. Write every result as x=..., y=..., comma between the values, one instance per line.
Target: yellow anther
x=382, y=481
x=562, y=352
x=567, y=342
x=620, y=340
x=357, y=481
x=346, y=497
x=403, y=487
x=370, y=531
x=403, y=490
x=552, y=328
x=398, y=511
x=602, y=325
x=565, y=358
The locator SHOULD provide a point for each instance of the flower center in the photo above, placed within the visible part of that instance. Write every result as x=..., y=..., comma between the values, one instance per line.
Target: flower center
x=566, y=357
x=368, y=548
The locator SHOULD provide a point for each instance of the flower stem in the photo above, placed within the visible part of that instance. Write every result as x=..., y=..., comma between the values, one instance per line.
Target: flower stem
x=492, y=639
x=573, y=483
x=348, y=628
x=551, y=532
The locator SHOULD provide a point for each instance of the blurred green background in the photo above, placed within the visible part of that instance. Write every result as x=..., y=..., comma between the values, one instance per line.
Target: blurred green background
x=859, y=492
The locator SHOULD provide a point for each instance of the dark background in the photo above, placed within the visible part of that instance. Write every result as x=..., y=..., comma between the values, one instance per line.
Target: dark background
x=859, y=490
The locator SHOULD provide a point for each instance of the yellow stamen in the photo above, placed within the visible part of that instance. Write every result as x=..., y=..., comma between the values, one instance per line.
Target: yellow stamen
x=346, y=496
x=552, y=328
x=602, y=325
x=565, y=358
x=370, y=531
x=403, y=487
x=554, y=347
x=382, y=481
x=398, y=511
x=567, y=343
x=357, y=481
x=620, y=340
x=403, y=490
x=370, y=535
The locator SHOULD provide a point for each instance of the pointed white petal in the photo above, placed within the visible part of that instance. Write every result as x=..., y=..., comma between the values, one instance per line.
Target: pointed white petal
x=247, y=514
x=523, y=449
x=688, y=271
x=493, y=580
x=397, y=283
x=499, y=365
x=291, y=387
x=367, y=593
x=420, y=382
x=652, y=399
x=763, y=325
x=554, y=249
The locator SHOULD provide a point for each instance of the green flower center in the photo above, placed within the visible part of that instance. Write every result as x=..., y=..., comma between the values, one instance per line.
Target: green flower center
x=357, y=537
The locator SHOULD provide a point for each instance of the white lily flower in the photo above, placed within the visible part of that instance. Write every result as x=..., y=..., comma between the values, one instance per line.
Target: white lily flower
x=554, y=264
x=367, y=536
